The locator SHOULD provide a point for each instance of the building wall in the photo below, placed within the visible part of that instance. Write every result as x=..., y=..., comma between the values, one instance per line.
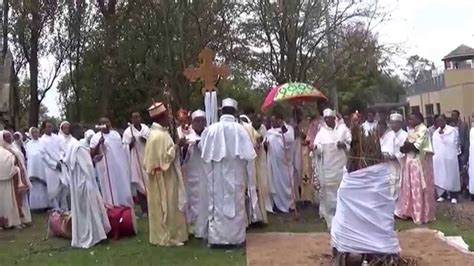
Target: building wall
x=423, y=99
x=458, y=94
x=454, y=77
x=460, y=97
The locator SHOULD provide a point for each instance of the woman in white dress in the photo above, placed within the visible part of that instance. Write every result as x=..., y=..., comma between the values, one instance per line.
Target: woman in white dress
x=36, y=174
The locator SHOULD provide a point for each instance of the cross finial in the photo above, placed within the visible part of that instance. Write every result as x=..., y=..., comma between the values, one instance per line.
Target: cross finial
x=207, y=71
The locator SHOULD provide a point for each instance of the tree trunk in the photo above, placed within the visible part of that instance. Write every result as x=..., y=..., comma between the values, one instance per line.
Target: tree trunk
x=6, y=8
x=78, y=105
x=33, y=63
x=16, y=97
x=106, y=90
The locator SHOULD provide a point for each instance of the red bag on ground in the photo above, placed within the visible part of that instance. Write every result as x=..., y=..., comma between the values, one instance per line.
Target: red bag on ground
x=120, y=217
x=121, y=222
x=59, y=224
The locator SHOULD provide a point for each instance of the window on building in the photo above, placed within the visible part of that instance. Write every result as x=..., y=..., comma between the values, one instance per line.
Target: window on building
x=429, y=110
x=415, y=109
x=438, y=108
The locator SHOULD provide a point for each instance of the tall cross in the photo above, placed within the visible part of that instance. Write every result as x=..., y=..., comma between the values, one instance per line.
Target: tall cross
x=207, y=71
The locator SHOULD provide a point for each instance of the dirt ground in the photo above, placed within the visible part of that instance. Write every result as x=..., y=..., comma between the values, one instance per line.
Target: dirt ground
x=274, y=249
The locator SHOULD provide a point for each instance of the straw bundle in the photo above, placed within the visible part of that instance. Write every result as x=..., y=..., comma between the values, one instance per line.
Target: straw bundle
x=365, y=149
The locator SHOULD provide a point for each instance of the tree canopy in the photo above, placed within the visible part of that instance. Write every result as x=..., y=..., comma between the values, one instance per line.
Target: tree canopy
x=109, y=57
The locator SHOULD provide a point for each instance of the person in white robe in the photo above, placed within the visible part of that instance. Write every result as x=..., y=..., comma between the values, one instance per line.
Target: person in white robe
x=331, y=144
x=471, y=162
x=134, y=138
x=112, y=166
x=36, y=172
x=370, y=124
x=227, y=150
x=90, y=223
x=65, y=136
x=51, y=153
x=390, y=144
x=195, y=178
x=279, y=141
x=6, y=140
x=9, y=214
x=445, y=161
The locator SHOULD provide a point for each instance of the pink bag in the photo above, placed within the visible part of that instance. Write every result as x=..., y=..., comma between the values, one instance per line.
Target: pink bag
x=59, y=224
x=121, y=222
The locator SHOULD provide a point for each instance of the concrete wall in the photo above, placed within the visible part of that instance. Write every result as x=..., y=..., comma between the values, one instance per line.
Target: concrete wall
x=455, y=77
x=423, y=99
x=457, y=95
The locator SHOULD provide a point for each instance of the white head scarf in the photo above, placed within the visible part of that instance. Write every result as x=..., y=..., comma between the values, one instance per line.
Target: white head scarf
x=88, y=135
x=30, y=131
x=18, y=143
x=61, y=132
x=3, y=143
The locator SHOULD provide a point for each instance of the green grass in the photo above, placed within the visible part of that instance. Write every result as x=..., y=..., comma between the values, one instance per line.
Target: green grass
x=28, y=247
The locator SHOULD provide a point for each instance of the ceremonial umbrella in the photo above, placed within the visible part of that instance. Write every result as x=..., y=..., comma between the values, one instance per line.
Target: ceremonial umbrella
x=294, y=92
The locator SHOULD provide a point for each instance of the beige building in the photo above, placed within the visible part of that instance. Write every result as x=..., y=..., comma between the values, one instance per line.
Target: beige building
x=452, y=90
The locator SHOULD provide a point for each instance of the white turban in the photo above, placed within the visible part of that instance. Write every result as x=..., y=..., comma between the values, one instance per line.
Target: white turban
x=328, y=113
x=198, y=113
x=396, y=117
x=229, y=102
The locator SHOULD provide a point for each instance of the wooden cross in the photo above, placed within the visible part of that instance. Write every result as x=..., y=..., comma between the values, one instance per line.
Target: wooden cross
x=207, y=71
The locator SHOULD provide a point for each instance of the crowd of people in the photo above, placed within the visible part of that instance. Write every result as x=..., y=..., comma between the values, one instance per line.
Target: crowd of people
x=214, y=180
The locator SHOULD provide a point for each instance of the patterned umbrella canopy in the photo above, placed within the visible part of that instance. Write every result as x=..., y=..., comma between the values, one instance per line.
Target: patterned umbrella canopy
x=293, y=92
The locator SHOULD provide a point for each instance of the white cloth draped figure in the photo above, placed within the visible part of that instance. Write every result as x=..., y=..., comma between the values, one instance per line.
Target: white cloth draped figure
x=90, y=223
x=113, y=170
x=445, y=159
x=36, y=173
x=227, y=149
x=364, y=221
x=280, y=165
x=390, y=144
x=57, y=187
x=194, y=171
x=25, y=205
x=331, y=161
x=9, y=215
x=135, y=156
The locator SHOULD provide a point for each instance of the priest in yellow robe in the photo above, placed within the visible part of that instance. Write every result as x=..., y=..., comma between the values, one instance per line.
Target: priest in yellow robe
x=259, y=166
x=166, y=194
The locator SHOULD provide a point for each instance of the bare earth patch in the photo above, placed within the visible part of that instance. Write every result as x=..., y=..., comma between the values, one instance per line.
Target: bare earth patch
x=273, y=249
